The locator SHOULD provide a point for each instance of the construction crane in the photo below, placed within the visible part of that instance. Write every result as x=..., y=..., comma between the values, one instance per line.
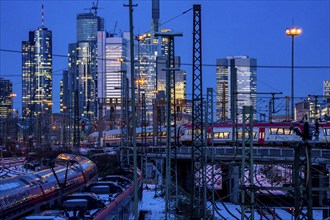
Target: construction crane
x=94, y=7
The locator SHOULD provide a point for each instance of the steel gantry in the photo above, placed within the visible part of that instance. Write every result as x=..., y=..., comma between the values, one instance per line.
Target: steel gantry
x=171, y=190
x=159, y=119
x=124, y=160
x=198, y=200
x=210, y=179
x=247, y=184
x=302, y=176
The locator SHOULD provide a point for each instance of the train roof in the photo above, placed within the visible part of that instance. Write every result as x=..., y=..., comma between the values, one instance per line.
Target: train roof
x=256, y=124
x=18, y=183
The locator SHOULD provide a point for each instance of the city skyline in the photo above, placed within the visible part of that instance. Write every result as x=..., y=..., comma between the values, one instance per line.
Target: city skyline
x=257, y=29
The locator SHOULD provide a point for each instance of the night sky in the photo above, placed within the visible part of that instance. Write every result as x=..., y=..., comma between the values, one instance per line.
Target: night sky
x=229, y=28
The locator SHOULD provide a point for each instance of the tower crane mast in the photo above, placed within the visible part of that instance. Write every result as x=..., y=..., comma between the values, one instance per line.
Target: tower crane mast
x=94, y=7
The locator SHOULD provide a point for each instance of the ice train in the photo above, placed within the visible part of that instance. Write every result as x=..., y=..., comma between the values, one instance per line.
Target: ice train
x=111, y=197
x=24, y=194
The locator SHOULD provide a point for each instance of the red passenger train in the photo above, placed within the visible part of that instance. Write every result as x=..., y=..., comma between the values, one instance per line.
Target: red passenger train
x=264, y=133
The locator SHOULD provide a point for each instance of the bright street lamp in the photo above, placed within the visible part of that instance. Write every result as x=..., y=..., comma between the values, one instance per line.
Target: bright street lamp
x=293, y=31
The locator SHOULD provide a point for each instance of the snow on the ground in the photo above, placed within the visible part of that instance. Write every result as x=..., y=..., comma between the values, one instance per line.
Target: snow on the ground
x=153, y=208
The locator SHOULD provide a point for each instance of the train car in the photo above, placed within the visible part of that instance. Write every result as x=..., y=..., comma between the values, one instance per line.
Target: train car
x=263, y=134
x=28, y=193
x=113, y=137
x=112, y=197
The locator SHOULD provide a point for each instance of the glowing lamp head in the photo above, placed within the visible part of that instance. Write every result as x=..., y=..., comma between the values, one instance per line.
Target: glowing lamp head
x=140, y=38
x=293, y=31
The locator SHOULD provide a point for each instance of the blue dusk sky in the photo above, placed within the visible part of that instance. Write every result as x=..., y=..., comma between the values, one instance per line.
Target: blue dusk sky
x=229, y=28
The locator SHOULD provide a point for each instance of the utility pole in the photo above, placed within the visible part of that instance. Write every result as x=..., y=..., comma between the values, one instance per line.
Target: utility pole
x=198, y=200
x=287, y=108
x=171, y=163
x=100, y=123
x=131, y=36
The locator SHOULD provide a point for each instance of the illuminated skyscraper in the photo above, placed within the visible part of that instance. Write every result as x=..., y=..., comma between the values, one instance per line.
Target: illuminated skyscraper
x=111, y=63
x=235, y=77
x=151, y=58
x=326, y=91
x=88, y=24
x=37, y=85
x=82, y=67
x=37, y=77
x=64, y=93
x=180, y=77
x=6, y=98
x=146, y=52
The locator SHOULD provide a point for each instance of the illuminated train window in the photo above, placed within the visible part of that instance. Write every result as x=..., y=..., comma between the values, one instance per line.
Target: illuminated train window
x=221, y=135
x=280, y=131
x=240, y=135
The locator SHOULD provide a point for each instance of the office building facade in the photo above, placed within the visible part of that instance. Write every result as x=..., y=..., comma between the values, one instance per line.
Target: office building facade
x=81, y=85
x=88, y=24
x=236, y=86
x=326, y=91
x=6, y=98
x=113, y=69
x=37, y=77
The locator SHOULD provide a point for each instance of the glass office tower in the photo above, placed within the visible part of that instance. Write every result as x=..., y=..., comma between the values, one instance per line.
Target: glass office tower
x=236, y=84
x=37, y=77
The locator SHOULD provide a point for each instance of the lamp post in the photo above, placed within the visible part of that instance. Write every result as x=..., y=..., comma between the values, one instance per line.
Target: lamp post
x=292, y=32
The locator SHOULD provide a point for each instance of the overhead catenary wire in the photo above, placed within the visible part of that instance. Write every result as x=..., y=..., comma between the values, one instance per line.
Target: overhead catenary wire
x=204, y=64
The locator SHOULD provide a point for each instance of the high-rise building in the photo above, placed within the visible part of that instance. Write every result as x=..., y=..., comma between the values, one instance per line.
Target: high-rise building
x=180, y=77
x=155, y=16
x=81, y=85
x=6, y=98
x=37, y=85
x=37, y=77
x=82, y=78
x=326, y=91
x=151, y=57
x=236, y=86
x=112, y=66
x=146, y=52
x=64, y=92
x=88, y=24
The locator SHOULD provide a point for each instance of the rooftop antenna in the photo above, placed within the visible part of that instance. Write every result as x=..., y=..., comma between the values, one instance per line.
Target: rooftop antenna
x=42, y=15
